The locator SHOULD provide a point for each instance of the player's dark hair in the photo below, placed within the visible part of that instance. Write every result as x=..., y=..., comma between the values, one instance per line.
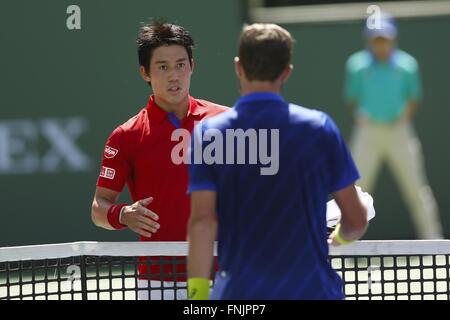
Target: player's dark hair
x=265, y=51
x=156, y=34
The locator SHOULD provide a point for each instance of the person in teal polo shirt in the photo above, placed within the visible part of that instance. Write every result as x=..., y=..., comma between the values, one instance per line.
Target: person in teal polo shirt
x=383, y=88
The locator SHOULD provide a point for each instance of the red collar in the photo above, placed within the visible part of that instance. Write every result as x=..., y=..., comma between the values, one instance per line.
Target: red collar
x=158, y=114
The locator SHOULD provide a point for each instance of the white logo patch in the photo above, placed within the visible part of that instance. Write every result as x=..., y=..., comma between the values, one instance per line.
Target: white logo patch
x=107, y=173
x=110, y=152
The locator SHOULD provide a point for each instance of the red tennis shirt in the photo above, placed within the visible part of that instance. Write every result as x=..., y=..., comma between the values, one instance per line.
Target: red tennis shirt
x=138, y=153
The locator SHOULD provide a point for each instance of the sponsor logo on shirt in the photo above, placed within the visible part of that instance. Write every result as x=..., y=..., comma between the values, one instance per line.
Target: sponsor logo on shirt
x=107, y=173
x=110, y=152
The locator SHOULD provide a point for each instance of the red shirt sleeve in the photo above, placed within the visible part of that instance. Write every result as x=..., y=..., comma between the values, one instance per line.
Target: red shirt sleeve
x=115, y=168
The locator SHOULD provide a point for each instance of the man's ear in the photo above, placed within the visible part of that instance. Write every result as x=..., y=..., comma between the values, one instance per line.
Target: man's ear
x=192, y=65
x=238, y=67
x=286, y=73
x=144, y=74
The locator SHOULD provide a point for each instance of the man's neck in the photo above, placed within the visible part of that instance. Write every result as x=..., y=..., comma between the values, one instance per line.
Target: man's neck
x=259, y=86
x=179, y=109
x=382, y=60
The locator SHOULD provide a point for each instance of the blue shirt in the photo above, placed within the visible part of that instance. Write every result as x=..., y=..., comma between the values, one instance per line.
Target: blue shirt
x=272, y=236
x=382, y=89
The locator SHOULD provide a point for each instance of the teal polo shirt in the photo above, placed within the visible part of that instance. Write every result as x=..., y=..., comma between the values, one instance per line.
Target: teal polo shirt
x=381, y=90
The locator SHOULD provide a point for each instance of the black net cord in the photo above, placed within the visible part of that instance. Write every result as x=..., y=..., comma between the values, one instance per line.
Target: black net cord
x=83, y=275
x=46, y=268
x=174, y=270
x=447, y=275
x=110, y=277
x=33, y=280
x=58, y=270
x=8, y=281
x=422, y=293
x=123, y=276
x=136, y=277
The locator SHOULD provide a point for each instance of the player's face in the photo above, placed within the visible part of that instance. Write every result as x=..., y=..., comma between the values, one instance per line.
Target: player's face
x=381, y=47
x=170, y=74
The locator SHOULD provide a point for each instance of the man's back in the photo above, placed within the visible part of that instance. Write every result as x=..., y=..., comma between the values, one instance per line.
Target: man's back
x=265, y=198
x=272, y=227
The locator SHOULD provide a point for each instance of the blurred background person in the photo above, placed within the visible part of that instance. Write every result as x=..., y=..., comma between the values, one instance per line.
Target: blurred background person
x=383, y=88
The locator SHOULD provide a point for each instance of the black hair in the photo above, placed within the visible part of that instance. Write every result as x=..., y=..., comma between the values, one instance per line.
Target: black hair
x=157, y=34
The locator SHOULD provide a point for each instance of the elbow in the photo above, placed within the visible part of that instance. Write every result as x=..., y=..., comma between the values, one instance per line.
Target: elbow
x=355, y=227
x=94, y=215
x=360, y=224
x=364, y=217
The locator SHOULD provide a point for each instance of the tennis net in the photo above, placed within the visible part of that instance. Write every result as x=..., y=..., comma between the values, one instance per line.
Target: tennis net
x=409, y=270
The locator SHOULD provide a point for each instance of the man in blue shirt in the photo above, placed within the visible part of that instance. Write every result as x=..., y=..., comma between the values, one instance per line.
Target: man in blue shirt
x=383, y=85
x=260, y=177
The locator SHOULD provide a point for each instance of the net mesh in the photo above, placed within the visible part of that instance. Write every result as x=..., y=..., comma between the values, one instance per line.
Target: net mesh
x=410, y=270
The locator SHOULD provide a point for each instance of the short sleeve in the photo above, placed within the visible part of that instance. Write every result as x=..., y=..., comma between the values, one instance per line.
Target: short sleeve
x=413, y=84
x=341, y=167
x=201, y=175
x=115, y=167
x=352, y=83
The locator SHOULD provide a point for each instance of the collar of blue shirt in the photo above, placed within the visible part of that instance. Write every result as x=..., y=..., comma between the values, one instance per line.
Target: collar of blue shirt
x=259, y=96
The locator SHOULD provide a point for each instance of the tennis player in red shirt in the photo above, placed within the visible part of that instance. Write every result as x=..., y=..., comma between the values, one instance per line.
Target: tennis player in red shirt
x=138, y=153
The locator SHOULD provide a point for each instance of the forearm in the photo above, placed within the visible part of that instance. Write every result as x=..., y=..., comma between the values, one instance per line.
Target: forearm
x=202, y=234
x=354, y=214
x=352, y=232
x=99, y=213
x=354, y=229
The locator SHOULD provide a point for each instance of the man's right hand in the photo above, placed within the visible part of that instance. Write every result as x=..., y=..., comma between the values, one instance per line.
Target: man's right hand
x=140, y=219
